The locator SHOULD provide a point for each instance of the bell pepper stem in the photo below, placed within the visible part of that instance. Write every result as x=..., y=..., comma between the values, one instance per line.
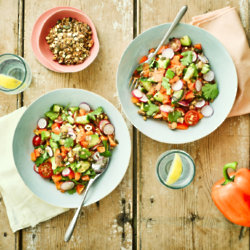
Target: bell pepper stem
x=232, y=165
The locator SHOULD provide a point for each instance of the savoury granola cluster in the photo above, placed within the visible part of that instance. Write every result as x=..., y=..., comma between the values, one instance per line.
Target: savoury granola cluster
x=70, y=41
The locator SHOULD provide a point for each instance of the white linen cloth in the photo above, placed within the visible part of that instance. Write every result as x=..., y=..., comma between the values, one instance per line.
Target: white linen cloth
x=24, y=209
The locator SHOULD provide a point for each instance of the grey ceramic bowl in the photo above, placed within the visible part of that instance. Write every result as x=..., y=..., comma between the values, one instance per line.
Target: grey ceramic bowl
x=221, y=63
x=22, y=147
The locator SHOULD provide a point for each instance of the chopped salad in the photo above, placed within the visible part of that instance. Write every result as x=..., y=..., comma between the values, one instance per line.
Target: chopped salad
x=177, y=86
x=71, y=144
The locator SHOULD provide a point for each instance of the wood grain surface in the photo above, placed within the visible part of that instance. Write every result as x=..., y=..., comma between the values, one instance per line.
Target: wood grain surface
x=140, y=213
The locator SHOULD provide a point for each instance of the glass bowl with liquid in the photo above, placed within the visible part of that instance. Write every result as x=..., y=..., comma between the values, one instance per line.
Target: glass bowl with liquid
x=15, y=74
x=164, y=163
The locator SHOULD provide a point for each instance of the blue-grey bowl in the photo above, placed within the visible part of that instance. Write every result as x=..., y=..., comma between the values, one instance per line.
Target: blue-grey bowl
x=221, y=63
x=22, y=148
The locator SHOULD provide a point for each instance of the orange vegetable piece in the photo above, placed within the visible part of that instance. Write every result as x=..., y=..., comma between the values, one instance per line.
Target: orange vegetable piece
x=189, y=95
x=151, y=50
x=161, y=49
x=191, y=85
x=71, y=175
x=58, y=186
x=84, y=143
x=82, y=112
x=198, y=46
x=41, y=130
x=56, y=178
x=57, y=152
x=175, y=61
x=134, y=99
x=37, y=153
x=89, y=133
x=79, y=188
x=85, y=178
x=143, y=59
x=77, y=176
x=101, y=149
x=174, y=79
x=112, y=142
x=104, y=138
x=33, y=156
x=182, y=126
x=55, y=128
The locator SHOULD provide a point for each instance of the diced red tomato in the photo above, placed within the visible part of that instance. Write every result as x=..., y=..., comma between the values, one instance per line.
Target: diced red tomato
x=45, y=170
x=198, y=46
x=189, y=95
x=182, y=126
x=191, y=117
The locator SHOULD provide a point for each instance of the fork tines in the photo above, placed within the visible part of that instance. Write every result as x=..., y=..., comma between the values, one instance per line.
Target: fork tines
x=133, y=83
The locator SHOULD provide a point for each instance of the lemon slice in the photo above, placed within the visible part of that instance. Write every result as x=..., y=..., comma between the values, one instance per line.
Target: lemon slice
x=9, y=82
x=175, y=170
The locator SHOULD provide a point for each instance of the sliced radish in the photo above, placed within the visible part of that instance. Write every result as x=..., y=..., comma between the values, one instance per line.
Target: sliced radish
x=209, y=76
x=198, y=85
x=168, y=53
x=108, y=129
x=88, y=127
x=194, y=56
x=203, y=59
x=184, y=103
x=36, y=169
x=207, y=111
x=49, y=150
x=144, y=98
x=166, y=108
x=85, y=106
x=200, y=103
x=67, y=185
x=137, y=93
x=178, y=85
x=42, y=123
x=102, y=123
x=66, y=172
x=96, y=156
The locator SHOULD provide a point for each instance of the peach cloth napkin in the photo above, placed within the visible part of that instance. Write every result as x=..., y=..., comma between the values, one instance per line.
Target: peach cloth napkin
x=226, y=26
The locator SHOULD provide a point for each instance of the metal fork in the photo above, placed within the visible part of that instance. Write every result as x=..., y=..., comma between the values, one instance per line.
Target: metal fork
x=133, y=84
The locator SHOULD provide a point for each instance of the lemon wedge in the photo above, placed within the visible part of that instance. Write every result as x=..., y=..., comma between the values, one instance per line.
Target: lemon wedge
x=9, y=82
x=175, y=170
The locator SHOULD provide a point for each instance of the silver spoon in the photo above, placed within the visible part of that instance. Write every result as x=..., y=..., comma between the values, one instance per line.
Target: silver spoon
x=177, y=19
x=99, y=171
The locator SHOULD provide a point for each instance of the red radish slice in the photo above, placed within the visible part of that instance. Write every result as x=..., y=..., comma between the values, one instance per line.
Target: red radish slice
x=166, y=108
x=207, y=111
x=194, y=56
x=168, y=53
x=58, y=121
x=184, y=103
x=108, y=129
x=200, y=104
x=175, y=44
x=178, y=85
x=203, y=59
x=49, y=150
x=144, y=98
x=67, y=185
x=66, y=172
x=102, y=123
x=137, y=93
x=96, y=156
x=85, y=106
x=209, y=76
x=36, y=169
x=42, y=123
x=198, y=85
x=96, y=146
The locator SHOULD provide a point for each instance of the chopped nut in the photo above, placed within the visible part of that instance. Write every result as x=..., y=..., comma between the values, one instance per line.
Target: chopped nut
x=172, y=125
x=70, y=41
x=141, y=112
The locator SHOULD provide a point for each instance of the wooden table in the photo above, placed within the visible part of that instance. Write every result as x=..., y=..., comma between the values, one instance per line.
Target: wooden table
x=140, y=213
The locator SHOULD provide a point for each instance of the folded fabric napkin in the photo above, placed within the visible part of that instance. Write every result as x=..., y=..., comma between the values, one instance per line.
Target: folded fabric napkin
x=24, y=209
x=226, y=26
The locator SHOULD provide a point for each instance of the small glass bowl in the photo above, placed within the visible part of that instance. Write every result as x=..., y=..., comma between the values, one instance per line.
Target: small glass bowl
x=163, y=165
x=16, y=67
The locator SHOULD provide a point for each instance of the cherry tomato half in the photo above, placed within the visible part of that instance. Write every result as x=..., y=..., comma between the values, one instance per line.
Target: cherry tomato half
x=36, y=141
x=191, y=117
x=45, y=170
x=175, y=44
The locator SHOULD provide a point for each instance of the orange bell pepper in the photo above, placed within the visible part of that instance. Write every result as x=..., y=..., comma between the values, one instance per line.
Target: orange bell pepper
x=231, y=195
x=143, y=59
x=79, y=188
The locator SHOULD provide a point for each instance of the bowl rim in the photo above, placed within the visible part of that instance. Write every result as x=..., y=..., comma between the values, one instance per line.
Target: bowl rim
x=191, y=27
x=129, y=146
x=41, y=21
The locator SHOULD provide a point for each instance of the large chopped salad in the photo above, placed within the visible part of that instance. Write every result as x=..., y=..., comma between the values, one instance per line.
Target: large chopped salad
x=71, y=144
x=177, y=86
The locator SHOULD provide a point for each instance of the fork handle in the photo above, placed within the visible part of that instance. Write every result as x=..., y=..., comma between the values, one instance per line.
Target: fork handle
x=72, y=224
x=177, y=19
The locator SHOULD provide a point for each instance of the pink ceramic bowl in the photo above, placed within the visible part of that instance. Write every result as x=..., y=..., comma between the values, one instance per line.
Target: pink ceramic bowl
x=41, y=29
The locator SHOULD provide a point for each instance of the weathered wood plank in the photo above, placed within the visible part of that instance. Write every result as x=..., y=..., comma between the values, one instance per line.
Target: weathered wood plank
x=107, y=224
x=188, y=219
x=8, y=103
